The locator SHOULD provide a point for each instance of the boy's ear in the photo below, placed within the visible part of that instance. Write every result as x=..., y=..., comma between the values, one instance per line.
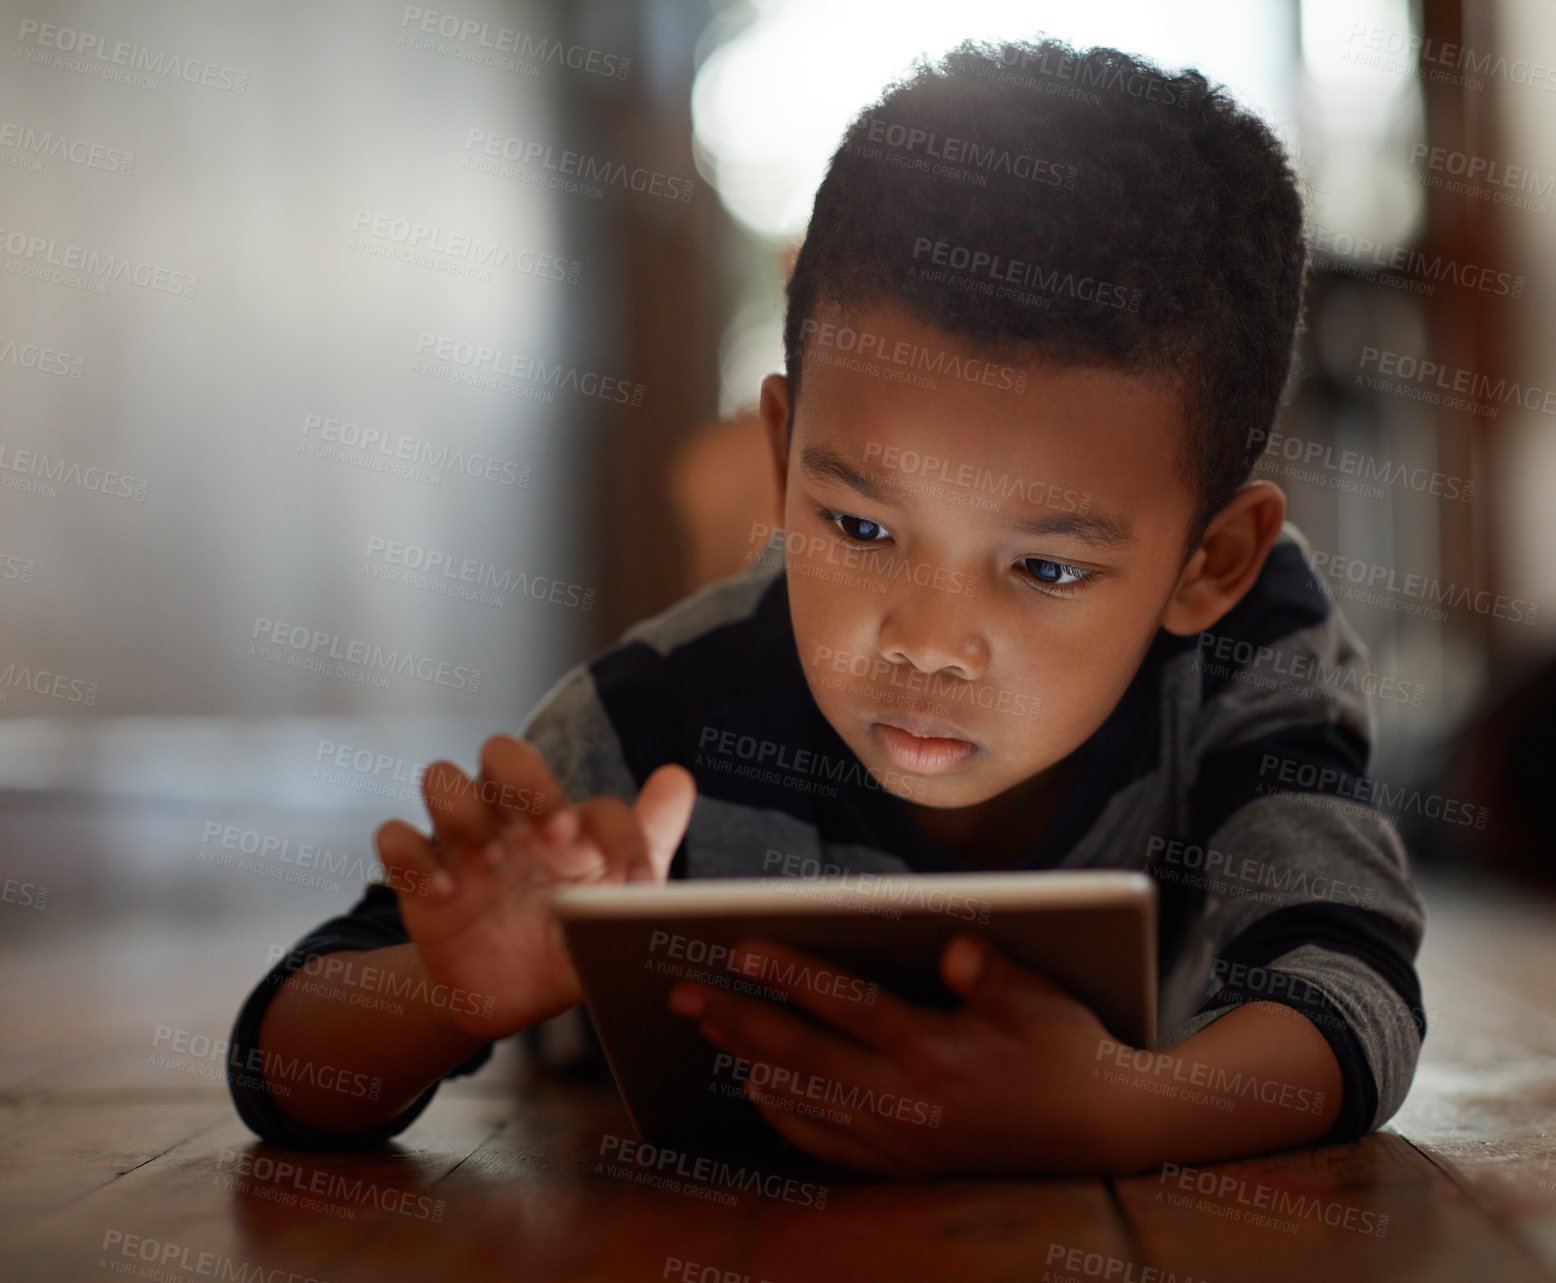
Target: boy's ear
x=774, y=413
x=1227, y=560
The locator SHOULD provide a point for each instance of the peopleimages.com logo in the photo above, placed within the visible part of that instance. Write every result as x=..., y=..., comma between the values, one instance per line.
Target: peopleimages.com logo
x=24, y=147
x=354, y=658
x=122, y=61
x=472, y=40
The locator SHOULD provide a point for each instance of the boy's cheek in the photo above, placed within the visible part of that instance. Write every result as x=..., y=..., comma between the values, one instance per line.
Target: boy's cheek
x=831, y=624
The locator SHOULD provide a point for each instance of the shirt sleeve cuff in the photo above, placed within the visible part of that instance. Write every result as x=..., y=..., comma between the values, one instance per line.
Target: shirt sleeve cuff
x=1358, y=1091
x=246, y=1079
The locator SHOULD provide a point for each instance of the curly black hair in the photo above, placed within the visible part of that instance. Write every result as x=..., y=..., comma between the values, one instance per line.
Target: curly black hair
x=1077, y=206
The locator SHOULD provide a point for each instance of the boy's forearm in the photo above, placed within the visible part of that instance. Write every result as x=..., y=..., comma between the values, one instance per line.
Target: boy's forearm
x=1268, y=1061
x=405, y=1045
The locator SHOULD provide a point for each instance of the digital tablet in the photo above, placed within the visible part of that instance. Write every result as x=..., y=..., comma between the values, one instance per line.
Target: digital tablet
x=1093, y=932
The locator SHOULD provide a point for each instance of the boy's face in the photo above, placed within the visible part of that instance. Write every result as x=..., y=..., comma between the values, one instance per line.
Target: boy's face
x=975, y=572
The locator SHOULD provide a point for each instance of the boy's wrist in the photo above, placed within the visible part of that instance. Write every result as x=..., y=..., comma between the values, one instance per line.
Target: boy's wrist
x=489, y=1017
x=1126, y=1126
x=1256, y=1079
x=453, y=1015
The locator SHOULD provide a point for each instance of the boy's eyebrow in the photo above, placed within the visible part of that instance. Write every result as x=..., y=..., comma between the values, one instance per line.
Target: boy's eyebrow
x=829, y=465
x=1092, y=527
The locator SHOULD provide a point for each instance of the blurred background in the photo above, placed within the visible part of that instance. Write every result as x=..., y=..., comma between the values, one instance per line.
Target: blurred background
x=364, y=367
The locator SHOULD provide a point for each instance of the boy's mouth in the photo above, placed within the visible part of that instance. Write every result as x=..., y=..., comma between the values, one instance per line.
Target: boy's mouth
x=922, y=745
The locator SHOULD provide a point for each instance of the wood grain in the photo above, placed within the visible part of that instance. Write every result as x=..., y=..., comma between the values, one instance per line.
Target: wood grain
x=111, y=1139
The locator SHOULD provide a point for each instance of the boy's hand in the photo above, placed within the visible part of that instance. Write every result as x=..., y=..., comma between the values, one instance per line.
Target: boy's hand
x=1005, y=1083
x=476, y=897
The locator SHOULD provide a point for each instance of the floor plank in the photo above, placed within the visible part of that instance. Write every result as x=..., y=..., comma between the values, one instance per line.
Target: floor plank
x=222, y=1192
x=1378, y=1209
x=117, y=1138
x=983, y=1231
x=539, y=1192
x=1483, y=1104
x=62, y=1151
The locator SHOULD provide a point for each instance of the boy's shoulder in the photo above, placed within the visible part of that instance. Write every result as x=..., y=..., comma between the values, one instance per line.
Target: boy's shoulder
x=1285, y=655
x=708, y=637
x=717, y=613
x=720, y=659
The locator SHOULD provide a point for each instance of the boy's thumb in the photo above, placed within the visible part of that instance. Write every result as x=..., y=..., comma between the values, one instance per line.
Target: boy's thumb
x=664, y=809
x=991, y=983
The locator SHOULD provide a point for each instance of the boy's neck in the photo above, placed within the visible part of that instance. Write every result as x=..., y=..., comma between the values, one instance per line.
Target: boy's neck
x=1001, y=831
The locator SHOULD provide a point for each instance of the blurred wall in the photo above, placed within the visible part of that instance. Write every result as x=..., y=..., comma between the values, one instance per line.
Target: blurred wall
x=345, y=351
x=1525, y=472
x=306, y=359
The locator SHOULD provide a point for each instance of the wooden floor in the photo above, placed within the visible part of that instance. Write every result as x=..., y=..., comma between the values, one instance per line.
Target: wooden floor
x=120, y=1154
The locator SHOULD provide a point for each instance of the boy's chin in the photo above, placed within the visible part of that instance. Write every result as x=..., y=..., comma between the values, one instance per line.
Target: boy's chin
x=941, y=793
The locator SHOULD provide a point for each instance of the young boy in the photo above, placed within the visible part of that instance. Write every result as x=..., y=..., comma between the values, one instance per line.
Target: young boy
x=1025, y=611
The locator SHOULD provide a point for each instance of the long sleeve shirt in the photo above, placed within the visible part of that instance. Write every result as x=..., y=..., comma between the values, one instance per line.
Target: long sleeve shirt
x=1233, y=770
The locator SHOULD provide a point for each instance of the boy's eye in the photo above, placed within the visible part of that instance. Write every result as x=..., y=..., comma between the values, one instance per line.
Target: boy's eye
x=856, y=528
x=1054, y=574
x=860, y=529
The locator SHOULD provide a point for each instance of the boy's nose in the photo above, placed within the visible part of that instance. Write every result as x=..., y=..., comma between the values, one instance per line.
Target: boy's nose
x=935, y=632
